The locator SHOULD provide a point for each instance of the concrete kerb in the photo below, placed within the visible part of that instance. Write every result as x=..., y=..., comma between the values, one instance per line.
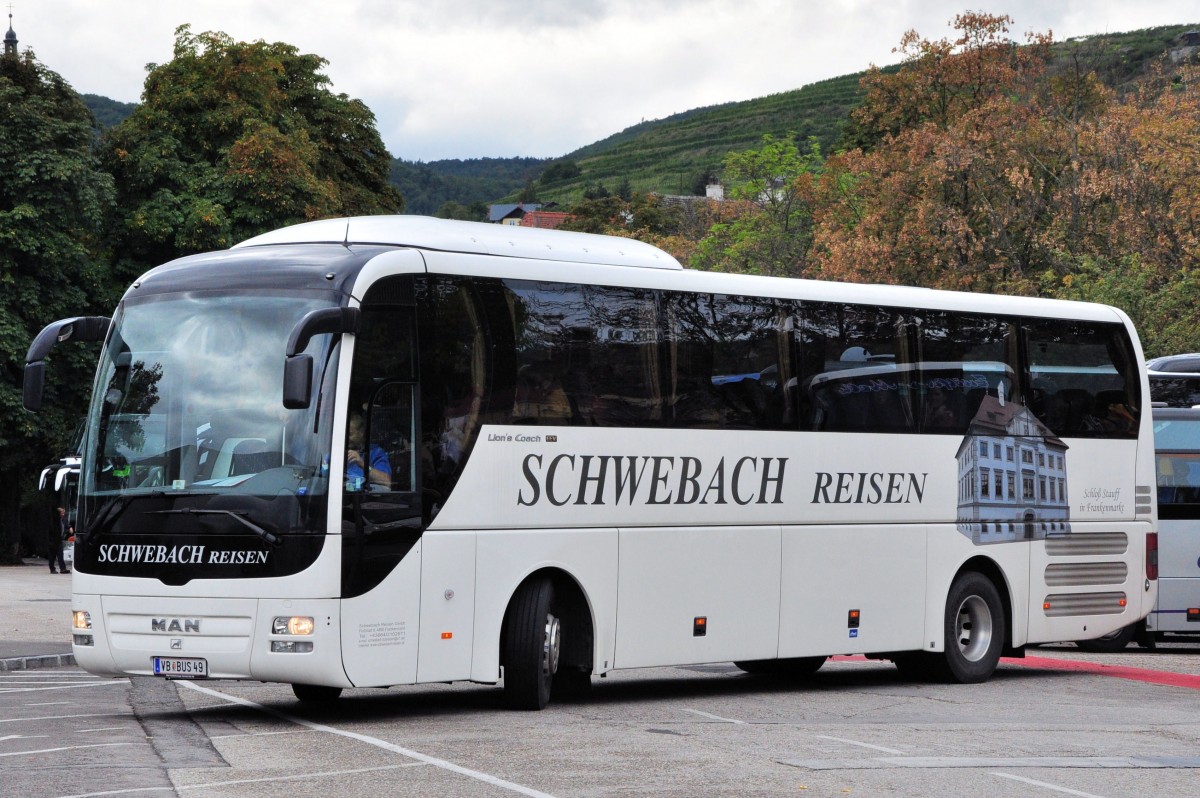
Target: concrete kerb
x=37, y=662
x=35, y=617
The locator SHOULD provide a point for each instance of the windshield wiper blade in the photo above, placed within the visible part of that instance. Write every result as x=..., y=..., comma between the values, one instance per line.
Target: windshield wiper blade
x=268, y=537
x=105, y=519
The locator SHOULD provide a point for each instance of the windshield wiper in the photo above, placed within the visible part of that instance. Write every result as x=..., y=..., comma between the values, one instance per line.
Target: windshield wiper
x=268, y=537
x=106, y=518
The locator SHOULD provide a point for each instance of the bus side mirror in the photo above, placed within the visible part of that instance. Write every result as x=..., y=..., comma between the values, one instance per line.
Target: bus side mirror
x=80, y=328
x=297, y=379
x=32, y=385
x=298, y=367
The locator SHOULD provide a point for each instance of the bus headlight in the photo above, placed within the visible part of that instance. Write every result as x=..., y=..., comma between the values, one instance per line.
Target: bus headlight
x=296, y=625
x=81, y=619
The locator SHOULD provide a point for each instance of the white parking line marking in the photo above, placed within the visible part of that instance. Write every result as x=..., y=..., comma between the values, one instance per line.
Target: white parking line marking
x=105, y=728
x=22, y=737
x=64, y=717
x=258, y=734
x=864, y=745
x=1054, y=787
x=715, y=717
x=47, y=675
x=64, y=748
x=58, y=687
x=487, y=778
x=206, y=785
x=917, y=762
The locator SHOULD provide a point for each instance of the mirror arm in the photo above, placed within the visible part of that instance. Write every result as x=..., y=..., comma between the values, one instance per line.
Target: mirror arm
x=79, y=329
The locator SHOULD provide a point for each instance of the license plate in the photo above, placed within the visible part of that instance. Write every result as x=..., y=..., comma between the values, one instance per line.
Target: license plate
x=181, y=667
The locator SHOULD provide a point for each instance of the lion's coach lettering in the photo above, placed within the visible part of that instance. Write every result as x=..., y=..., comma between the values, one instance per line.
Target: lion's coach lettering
x=649, y=479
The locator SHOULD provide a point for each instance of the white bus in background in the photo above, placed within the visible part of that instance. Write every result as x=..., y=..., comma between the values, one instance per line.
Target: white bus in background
x=1176, y=615
x=381, y=451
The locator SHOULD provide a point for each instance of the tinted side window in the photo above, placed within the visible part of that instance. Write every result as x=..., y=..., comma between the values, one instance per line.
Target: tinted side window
x=728, y=360
x=1084, y=378
x=963, y=358
x=550, y=331
x=857, y=363
x=586, y=355
x=455, y=369
x=622, y=357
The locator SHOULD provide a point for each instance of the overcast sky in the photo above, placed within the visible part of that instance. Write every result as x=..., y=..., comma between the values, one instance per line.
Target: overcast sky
x=500, y=78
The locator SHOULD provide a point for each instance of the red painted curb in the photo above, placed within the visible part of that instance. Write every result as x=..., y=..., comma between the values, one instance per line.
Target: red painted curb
x=1118, y=671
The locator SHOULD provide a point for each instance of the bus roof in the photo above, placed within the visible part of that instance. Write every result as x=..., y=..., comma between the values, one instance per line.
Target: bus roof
x=423, y=232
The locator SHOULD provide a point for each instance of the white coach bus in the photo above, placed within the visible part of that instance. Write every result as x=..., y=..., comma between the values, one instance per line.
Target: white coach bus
x=381, y=451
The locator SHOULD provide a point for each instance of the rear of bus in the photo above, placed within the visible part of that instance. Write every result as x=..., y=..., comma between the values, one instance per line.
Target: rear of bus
x=1177, y=446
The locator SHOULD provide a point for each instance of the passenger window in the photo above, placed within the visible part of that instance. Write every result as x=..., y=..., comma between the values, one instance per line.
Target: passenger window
x=857, y=370
x=455, y=367
x=622, y=364
x=729, y=362
x=548, y=378
x=1083, y=378
x=963, y=358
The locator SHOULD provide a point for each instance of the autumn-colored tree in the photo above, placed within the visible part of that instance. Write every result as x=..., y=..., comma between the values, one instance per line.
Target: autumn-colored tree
x=940, y=82
x=232, y=139
x=951, y=186
x=1042, y=186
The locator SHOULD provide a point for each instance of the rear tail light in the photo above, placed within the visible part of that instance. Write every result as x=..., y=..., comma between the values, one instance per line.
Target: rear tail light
x=1152, y=555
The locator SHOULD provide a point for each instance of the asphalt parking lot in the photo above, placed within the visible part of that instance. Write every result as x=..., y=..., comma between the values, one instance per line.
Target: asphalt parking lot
x=1060, y=722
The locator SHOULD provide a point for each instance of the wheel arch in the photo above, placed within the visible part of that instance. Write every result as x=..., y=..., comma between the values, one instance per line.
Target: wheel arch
x=576, y=613
x=990, y=569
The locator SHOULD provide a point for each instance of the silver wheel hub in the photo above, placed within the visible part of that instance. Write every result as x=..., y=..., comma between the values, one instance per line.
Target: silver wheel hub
x=551, y=646
x=973, y=628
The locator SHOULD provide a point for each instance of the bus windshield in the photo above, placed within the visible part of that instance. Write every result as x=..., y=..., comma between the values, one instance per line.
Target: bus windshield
x=189, y=403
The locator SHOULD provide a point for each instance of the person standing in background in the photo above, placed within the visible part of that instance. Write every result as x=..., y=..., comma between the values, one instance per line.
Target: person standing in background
x=59, y=530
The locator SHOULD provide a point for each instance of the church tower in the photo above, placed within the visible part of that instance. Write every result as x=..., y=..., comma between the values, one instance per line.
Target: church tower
x=10, y=38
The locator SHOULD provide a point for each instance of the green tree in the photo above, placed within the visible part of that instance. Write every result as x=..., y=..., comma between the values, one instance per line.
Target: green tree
x=456, y=210
x=232, y=139
x=528, y=195
x=559, y=172
x=52, y=202
x=771, y=230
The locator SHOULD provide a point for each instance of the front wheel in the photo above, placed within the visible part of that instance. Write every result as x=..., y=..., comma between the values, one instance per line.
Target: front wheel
x=974, y=629
x=532, y=646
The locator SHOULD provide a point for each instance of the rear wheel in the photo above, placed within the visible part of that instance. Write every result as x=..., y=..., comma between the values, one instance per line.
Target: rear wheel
x=314, y=693
x=974, y=629
x=532, y=646
x=1111, y=642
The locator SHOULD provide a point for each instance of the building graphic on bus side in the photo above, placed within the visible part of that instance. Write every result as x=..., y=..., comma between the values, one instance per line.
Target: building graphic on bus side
x=1012, y=476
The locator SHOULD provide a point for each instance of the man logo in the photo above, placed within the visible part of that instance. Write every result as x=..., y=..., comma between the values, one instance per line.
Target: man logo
x=176, y=643
x=184, y=625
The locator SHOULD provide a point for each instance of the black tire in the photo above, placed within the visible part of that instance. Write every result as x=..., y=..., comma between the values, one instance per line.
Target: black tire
x=571, y=684
x=793, y=667
x=1111, y=642
x=532, y=646
x=974, y=629
x=315, y=693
